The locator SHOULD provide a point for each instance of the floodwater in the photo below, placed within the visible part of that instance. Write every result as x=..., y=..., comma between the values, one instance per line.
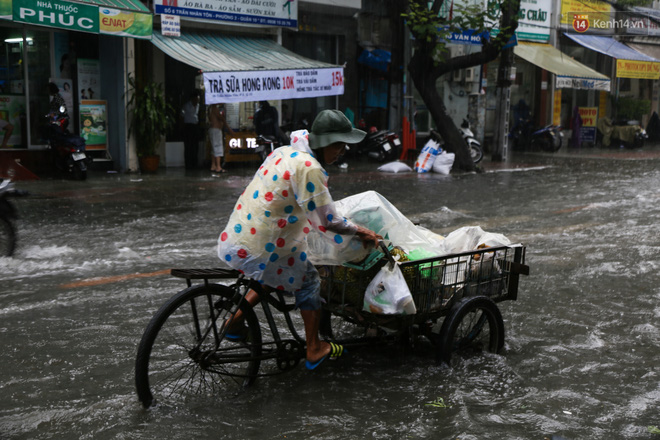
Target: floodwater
x=582, y=342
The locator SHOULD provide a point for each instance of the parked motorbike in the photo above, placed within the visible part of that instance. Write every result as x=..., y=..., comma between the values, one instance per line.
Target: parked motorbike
x=524, y=137
x=8, y=215
x=474, y=146
x=68, y=149
x=379, y=145
x=619, y=135
x=266, y=145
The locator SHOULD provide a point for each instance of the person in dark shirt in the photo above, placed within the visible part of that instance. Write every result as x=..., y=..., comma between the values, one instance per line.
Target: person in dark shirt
x=266, y=123
x=56, y=101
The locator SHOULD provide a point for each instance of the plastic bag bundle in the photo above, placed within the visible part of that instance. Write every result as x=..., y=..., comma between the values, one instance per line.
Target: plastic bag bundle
x=373, y=211
x=388, y=293
x=425, y=160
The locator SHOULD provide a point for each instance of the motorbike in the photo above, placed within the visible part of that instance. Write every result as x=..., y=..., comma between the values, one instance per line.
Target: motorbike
x=620, y=134
x=379, y=145
x=266, y=145
x=8, y=215
x=549, y=138
x=474, y=146
x=68, y=149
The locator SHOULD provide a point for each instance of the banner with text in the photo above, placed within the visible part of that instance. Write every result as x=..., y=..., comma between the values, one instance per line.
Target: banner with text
x=262, y=85
x=637, y=69
x=570, y=82
x=282, y=13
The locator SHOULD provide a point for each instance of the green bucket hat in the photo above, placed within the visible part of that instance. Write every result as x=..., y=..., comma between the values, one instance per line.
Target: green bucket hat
x=332, y=126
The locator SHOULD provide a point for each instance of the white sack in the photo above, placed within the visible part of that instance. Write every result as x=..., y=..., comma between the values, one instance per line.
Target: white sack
x=443, y=163
x=425, y=160
x=395, y=167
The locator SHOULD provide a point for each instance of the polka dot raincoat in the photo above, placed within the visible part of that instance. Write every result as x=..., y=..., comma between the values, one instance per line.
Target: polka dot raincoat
x=265, y=236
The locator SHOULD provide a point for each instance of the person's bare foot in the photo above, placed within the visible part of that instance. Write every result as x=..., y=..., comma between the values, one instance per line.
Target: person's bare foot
x=316, y=355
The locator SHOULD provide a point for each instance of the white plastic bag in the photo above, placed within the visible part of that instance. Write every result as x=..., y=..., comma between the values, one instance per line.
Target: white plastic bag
x=443, y=163
x=372, y=211
x=395, y=167
x=388, y=293
x=425, y=160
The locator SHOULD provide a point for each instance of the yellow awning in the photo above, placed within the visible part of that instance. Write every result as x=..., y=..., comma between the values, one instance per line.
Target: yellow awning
x=570, y=73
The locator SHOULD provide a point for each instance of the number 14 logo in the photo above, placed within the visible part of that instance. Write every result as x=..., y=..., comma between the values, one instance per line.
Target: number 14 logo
x=581, y=23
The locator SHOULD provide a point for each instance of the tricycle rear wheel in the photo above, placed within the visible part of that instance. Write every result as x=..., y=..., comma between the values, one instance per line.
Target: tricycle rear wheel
x=473, y=325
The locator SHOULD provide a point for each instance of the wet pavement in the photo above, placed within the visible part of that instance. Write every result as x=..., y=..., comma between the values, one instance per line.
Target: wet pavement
x=581, y=353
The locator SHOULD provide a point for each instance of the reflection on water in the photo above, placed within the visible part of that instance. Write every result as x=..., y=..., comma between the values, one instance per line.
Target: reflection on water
x=580, y=358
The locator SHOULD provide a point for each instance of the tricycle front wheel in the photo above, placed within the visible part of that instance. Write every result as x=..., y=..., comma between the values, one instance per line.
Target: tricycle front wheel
x=473, y=325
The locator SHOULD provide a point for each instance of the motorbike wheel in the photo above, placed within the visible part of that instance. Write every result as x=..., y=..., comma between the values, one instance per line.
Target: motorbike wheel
x=79, y=171
x=475, y=152
x=556, y=144
x=542, y=144
x=7, y=237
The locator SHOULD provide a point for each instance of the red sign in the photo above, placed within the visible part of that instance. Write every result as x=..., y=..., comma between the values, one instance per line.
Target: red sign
x=581, y=22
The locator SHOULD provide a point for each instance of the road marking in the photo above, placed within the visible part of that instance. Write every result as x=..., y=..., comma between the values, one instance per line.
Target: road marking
x=114, y=279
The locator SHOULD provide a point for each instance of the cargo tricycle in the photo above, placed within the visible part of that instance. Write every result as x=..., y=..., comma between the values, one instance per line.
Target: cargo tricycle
x=185, y=352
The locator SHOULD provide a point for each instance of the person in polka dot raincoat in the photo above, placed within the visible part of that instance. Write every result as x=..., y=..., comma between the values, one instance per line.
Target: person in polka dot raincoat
x=265, y=237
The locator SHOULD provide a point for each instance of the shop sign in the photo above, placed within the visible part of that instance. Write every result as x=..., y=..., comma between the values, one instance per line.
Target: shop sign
x=569, y=82
x=59, y=14
x=170, y=25
x=281, y=13
x=125, y=23
x=589, y=116
x=260, y=85
x=556, y=108
x=93, y=124
x=534, y=21
x=248, y=143
x=571, y=8
x=5, y=9
x=637, y=69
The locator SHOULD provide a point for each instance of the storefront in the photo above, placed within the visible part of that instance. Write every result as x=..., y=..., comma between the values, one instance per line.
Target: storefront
x=633, y=73
x=564, y=84
x=239, y=71
x=73, y=45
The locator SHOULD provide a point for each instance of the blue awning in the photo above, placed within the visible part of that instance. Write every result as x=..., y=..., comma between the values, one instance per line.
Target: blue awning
x=610, y=47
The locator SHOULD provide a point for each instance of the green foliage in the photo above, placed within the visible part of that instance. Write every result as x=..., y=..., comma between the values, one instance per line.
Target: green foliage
x=632, y=108
x=434, y=28
x=653, y=429
x=150, y=115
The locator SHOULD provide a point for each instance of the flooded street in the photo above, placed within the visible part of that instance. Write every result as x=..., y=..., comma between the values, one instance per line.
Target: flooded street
x=582, y=342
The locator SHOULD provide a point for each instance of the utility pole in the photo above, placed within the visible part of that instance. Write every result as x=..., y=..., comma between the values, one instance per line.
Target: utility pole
x=503, y=105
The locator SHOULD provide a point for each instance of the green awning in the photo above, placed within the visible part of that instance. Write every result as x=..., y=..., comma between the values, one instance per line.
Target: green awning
x=570, y=73
x=223, y=53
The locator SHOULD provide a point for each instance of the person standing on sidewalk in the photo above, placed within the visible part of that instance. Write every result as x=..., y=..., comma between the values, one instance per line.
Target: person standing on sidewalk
x=218, y=124
x=190, y=115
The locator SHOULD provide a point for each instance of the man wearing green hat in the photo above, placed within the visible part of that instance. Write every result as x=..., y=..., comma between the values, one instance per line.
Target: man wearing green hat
x=266, y=235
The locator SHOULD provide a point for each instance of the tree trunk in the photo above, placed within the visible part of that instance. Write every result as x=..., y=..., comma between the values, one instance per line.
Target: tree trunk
x=454, y=143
